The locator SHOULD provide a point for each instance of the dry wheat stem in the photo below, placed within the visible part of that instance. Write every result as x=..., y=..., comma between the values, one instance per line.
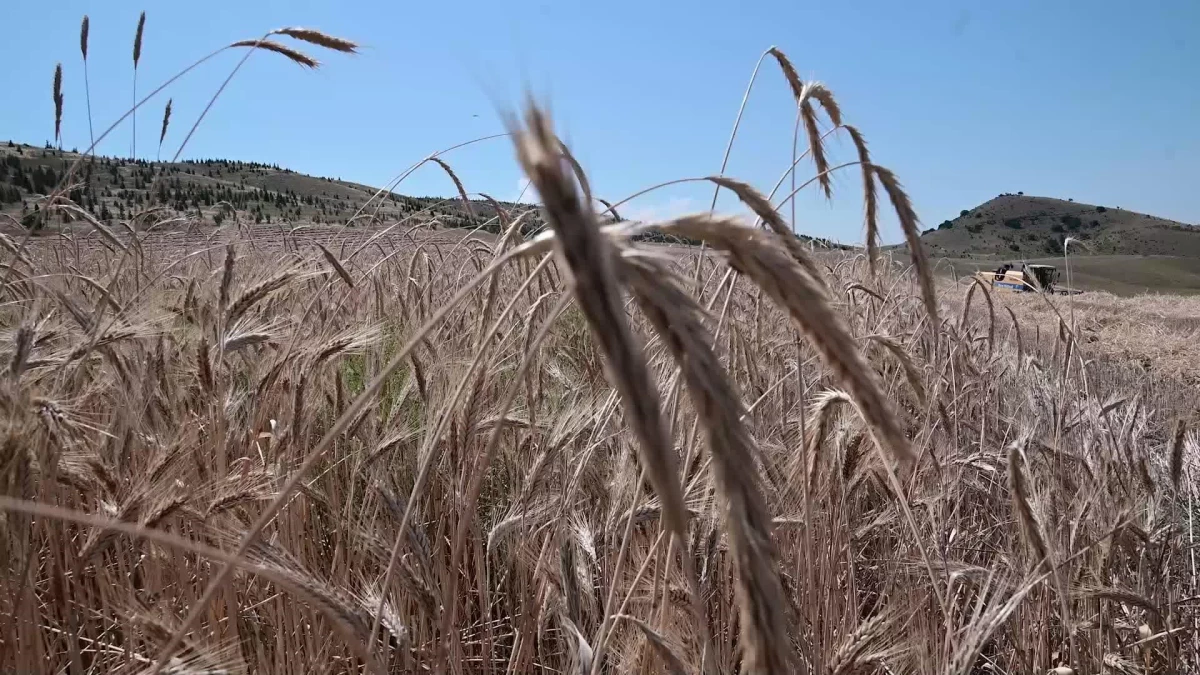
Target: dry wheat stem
x=58, y=104
x=589, y=258
x=676, y=318
x=340, y=426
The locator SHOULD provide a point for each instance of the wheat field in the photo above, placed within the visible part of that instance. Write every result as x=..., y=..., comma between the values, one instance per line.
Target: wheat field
x=572, y=451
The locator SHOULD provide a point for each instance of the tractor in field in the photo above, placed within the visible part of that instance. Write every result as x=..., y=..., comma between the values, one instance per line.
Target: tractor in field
x=1023, y=278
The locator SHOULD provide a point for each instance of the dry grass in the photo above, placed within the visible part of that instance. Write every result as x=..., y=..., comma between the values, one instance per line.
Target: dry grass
x=246, y=450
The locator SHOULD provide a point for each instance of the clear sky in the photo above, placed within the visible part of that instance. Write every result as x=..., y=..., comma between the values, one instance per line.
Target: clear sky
x=1094, y=100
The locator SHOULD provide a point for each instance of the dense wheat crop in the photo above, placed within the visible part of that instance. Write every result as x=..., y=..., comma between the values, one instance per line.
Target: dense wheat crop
x=262, y=451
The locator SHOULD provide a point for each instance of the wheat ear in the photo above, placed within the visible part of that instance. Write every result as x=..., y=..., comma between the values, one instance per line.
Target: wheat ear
x=589, y=258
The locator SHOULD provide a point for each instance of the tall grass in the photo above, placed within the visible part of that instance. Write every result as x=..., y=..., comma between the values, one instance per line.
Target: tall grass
x=454, y=452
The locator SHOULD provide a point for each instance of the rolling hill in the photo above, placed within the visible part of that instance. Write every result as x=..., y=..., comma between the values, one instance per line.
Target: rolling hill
x=1119, y=251
x=1022, y=227
x=209, y=191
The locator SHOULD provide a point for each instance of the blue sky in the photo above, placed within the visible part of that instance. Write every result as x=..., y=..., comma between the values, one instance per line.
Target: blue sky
x=1096, y=101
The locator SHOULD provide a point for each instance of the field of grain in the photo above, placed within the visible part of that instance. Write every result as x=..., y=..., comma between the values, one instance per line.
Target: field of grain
x=390, y=450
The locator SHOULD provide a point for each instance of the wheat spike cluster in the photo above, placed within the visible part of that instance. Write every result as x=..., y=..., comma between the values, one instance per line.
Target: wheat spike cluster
x=569, y=448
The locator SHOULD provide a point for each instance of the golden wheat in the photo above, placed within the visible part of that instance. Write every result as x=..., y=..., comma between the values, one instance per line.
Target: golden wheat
x=404, y=450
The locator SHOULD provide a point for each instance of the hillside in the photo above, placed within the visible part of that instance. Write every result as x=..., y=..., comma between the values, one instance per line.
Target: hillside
x=208, y=192
x=1022, y=227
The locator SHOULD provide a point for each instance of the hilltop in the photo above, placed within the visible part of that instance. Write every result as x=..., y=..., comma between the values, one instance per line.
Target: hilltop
x=1020, y=226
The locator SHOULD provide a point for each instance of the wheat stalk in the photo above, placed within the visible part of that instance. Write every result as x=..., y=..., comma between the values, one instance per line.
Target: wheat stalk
x=1022, y=500
x=294, y=55
x=671, y=660
x=870, y=199
x=256, y=293
x=589, y=258
x=166, y=120
x=319, y=38
x=462, y=192
x=137, y=56
x=677, y=319
x=83, y=47
x=809, y=117
x=756, y=254
x=764, y=210
x=1176, y=459
x=58, y=104
x=337, y=265
x=912, y=234
x=226, y=276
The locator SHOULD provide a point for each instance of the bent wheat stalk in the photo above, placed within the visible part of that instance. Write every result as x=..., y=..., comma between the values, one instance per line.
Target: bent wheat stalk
x=589, y=258
x=676, y=317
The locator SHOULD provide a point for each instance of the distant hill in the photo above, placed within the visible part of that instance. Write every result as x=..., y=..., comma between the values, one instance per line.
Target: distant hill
x=1019, y=226
x=210, y=191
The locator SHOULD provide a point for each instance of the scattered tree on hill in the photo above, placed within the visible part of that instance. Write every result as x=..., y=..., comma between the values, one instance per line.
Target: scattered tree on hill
x=1014, y=223
x=963, y=213
x=946, y=225
x=1100, y=209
